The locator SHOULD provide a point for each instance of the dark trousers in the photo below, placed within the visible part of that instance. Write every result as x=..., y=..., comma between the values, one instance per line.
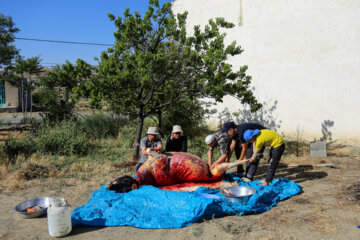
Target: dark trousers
x=275, y=156
x=238, y=150
x=251, y=167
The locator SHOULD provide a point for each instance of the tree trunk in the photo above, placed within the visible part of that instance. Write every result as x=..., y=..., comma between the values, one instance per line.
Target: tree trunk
x=160, y=123
x=22, y=95
x=136, y=145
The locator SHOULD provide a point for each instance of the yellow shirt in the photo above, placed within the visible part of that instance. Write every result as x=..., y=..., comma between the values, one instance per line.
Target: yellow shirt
x=268, y=137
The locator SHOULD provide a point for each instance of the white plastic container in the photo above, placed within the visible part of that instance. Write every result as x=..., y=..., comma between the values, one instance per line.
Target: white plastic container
x=59, y=218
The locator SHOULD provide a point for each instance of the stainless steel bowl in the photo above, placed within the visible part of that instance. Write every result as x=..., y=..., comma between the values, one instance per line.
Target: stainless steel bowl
x=240, y=194
x=42, y=202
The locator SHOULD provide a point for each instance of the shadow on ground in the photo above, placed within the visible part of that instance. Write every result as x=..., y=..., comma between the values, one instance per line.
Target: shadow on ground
x=298, y=174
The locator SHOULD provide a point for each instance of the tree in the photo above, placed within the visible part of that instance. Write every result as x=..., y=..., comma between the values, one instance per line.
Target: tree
x=155, y=64
x=7, y=50
x=31, y=67
x=58, y=96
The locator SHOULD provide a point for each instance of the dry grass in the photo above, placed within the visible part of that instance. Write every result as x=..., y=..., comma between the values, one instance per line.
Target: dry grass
x=321, y=221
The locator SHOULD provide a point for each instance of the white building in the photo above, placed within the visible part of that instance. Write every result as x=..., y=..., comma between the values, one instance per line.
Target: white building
x=303, y=54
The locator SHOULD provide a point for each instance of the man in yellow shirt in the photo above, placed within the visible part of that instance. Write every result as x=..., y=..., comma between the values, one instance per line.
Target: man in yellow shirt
x=265, y=137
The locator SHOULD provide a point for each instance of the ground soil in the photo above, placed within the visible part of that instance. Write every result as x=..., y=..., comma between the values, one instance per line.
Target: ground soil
x=327, y=208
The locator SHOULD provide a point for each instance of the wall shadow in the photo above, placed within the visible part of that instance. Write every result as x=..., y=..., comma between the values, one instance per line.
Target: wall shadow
x=265, y=116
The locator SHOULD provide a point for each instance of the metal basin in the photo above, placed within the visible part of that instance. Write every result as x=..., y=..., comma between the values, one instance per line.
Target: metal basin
x=239, y=194
x=42, y=202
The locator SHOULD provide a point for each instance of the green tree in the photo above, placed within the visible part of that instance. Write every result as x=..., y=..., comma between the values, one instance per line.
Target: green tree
x=58, y=97
x=7, y=49
x=30, y=67
x=155, y=64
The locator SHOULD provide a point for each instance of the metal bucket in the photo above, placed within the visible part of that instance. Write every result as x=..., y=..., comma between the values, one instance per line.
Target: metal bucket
x=238, y=194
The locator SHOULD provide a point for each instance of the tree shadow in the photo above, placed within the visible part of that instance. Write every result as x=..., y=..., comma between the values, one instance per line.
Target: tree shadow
x=325, y=130
x=298, y=174
x=265, y=116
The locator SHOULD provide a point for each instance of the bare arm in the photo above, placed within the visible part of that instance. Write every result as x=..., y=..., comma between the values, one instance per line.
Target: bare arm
x=221, y=159
x=210, y=155
x=143, y=150
x=157, y=148
x=244, y=148
x=232, y=147
x=255, y=152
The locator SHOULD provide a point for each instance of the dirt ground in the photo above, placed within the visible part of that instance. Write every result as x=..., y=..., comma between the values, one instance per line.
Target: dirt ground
x=328, y=207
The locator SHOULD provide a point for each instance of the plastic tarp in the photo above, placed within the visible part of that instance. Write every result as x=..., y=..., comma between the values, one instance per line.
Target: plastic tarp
x=151, y=207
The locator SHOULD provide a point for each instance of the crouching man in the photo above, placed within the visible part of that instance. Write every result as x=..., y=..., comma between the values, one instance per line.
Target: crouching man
x=261, y=138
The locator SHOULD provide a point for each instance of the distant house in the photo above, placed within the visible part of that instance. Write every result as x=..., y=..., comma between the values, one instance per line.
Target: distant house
x=10, y=95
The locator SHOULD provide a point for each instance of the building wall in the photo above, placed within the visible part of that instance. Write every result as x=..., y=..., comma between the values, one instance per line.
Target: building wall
x=303, y=54
x=11, y=95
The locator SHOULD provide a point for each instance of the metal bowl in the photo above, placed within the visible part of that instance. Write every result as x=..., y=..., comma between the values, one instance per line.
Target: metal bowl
x=238, y=194
x=42, y=202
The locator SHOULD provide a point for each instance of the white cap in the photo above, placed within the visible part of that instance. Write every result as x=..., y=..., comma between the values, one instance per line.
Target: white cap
x=152, y=131
x=209, y=139
x=176, y=128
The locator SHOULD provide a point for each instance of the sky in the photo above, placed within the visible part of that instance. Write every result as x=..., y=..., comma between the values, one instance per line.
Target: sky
x=66, y=20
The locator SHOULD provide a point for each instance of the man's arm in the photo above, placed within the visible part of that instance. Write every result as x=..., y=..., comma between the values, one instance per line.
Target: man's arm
x=255, y=152
x=244, y=148
x=157, y=148
x=232, y=147
x=143, y=150
x=221, y=159
x=210, y=155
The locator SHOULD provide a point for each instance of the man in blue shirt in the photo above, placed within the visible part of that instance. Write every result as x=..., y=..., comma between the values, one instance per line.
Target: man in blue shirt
x=243, y=149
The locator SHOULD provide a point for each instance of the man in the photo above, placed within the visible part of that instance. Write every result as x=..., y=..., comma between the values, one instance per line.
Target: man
x=149, y=143
x=224, y=141
x=242, y=148
x=176, y=142
x=260, y=138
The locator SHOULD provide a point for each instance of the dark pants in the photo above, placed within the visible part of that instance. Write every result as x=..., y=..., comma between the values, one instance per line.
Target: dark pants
x=275, y=156
x=251, y=167
x=238, y=150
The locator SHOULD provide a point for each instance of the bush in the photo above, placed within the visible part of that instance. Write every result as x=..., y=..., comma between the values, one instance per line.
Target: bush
x=14, y=147
x=64, y=138
x=101, y=125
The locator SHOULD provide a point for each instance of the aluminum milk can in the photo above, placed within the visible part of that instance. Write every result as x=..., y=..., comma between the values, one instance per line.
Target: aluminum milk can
x=59, y=218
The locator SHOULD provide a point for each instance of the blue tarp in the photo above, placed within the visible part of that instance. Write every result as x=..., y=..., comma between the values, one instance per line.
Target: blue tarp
x=151, y=207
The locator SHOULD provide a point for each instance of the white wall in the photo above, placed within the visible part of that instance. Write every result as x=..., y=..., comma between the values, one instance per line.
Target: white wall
x=304, y=54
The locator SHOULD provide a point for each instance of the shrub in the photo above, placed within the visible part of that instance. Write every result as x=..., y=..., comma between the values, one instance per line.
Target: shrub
x=64, y=138
x=14, y=147
x=101, y=125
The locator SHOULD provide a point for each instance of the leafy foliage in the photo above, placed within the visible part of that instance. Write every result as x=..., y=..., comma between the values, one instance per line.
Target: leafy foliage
x=7, y=50
x=154, y=64
x=58, y=97
x=190, y=114
x=100, y=125
x=14, y=147
x=64, y=138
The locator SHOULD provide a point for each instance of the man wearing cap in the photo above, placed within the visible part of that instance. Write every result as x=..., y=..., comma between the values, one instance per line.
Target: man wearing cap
x=260, y=138
x=242, y=148
x=223, y=140
x=149, y=143
x=176, y=142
